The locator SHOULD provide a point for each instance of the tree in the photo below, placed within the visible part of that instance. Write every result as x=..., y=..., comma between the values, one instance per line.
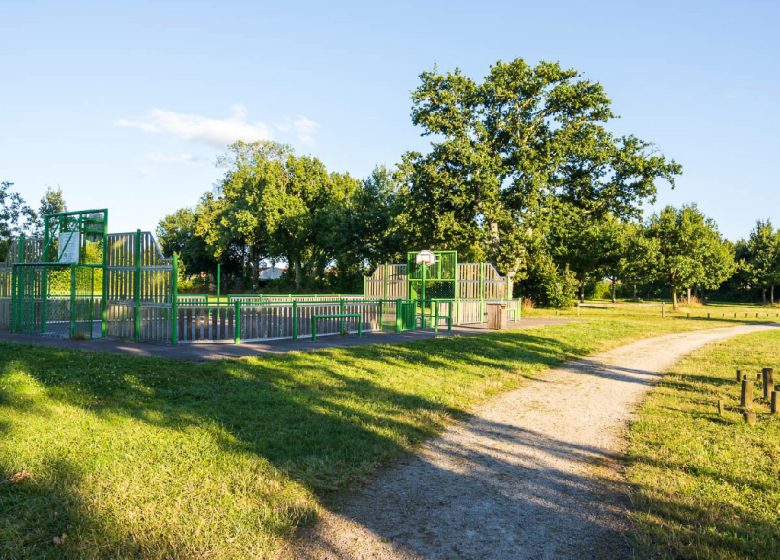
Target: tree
x=274, y=204
x=52, y=202
x=177, y=233
x=511, y=149
x=16, y=217
x=691, y=250
x=763, y=258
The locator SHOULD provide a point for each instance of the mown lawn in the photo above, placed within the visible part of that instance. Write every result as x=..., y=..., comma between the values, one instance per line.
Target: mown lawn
x=705, y=486
x=139, y=457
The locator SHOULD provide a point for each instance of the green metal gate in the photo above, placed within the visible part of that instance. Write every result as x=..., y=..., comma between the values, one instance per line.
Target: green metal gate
x=406, y=315
x=55, y=299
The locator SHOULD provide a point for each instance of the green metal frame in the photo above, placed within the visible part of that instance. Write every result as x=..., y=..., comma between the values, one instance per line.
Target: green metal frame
x=341, y=317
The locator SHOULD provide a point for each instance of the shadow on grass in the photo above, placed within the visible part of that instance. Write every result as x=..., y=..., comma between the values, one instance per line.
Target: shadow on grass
x=325, y=419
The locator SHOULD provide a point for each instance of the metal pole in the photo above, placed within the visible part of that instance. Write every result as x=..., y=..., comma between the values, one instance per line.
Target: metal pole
x=72, y=300
x=295, y=320
x=237, y=322
x=422, y=305
x=219, y=276
x=137, y=287
x=104, y=281
x=175, y=300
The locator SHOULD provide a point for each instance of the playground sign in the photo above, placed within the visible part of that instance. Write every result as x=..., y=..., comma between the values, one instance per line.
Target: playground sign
x=69, y=244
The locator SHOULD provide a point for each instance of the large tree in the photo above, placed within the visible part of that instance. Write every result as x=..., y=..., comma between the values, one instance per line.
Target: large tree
x=691, y=251
x=177, y=233
x=16, y=217
x=508, y=151
x=763, y=258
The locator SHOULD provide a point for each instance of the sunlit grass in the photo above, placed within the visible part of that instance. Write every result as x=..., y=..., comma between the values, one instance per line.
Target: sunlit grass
x=708, y=487
x=148, y=458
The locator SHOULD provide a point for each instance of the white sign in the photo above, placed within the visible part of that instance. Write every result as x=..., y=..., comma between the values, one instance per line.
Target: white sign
x=69, y=246
x=426, y=257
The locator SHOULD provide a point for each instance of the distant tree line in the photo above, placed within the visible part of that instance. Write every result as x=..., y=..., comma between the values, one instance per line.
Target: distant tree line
x=522, y=172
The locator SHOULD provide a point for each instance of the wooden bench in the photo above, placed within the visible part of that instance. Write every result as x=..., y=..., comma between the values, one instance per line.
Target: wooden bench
x=341, y=316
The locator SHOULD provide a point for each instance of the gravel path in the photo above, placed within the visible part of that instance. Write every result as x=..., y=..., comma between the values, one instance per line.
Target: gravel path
x=534, y=474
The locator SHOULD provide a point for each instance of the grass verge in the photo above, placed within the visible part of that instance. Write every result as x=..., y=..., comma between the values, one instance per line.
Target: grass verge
x=148, y=458
x=706, y=486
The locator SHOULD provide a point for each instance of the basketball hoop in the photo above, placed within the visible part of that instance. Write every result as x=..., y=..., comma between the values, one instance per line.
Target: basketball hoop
x=426, y=257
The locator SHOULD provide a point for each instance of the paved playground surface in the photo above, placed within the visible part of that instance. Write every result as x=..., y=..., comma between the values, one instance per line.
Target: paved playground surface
x=201, y=352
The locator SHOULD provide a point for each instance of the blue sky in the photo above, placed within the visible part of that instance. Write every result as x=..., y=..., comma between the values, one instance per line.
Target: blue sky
x=127, y=105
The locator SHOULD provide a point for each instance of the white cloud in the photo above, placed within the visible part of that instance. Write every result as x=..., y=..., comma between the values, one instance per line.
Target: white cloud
x=186, y=159
x=189, y=126
x=302, y=126
x=305, y=129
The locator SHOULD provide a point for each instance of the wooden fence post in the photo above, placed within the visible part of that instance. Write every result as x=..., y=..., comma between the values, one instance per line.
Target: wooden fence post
x=773, y=407
x=768, y=381
x=746, y=398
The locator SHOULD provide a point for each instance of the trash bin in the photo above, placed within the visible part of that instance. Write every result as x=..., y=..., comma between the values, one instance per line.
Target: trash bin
x=495, y=315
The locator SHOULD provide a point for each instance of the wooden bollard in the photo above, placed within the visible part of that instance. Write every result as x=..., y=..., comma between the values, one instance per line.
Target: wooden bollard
x=750, y=417
x=746, y=398
x=773, y=406
x=721, y=406
x=739, y=375
x=768, y=381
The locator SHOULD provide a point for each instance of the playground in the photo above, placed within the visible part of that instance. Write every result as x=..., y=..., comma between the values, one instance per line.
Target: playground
x=78, y=281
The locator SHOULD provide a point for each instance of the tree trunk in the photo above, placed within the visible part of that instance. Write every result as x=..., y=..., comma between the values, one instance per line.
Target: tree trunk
x=689, y=296
x=636, y=298
x=298, y=274
x=582, y=292
x=772, y=294
x=674, y=298
x=763, y=296
x=614, y=290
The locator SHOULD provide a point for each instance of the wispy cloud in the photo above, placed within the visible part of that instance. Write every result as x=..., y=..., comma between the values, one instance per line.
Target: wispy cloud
x=190, y=126
x=302, y=126
x=186, y=159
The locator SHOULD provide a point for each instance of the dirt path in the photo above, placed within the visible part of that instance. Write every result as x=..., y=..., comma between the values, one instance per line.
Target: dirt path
x=534, y=474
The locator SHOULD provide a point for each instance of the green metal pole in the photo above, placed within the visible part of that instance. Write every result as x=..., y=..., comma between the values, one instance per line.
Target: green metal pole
x=104, y=287
x=20, y=252
x=381, y=316
x=422, y=290
x=72, y=300
x=341, y=312
x=219, y=276
x=44, y=296
x=137, y=287
x=175, y=299
x=237, y=323
x=14, y=305
x=313, y=328
x=295, y=321
x=435, y=317
x=398, y=315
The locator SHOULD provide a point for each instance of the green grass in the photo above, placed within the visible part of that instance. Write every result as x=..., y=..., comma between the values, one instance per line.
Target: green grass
x=148, y=458
x=705, y=486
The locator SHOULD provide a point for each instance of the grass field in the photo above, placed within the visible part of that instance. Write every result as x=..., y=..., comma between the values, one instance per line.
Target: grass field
x=705, y=486
x=140, y=457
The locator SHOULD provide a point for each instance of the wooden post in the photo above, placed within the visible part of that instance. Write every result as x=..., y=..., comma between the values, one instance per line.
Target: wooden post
x=750, y=417
x=773, y=407
x=720, y=407
x=767, y=381
x=739, y=375
x=746, y=398
x=663, y=310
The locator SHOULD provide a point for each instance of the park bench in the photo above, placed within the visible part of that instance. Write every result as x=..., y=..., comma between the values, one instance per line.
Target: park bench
x=341, y=316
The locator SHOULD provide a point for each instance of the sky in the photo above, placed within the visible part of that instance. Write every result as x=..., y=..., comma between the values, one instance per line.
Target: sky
x=127, y=105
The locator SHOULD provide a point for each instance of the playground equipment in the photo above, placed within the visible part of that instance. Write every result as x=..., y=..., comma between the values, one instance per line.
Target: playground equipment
x=80, y=281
